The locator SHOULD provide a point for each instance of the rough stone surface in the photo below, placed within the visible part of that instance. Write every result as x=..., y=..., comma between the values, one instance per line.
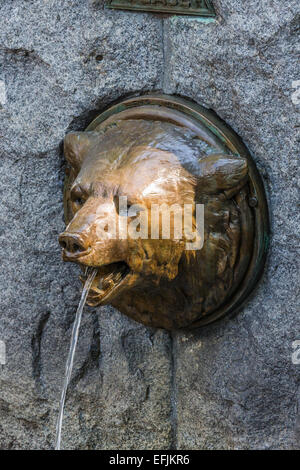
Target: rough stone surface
x=230, y=386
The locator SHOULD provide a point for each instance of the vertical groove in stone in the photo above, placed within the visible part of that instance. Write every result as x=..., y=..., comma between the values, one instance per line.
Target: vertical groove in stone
x=165, y=82
x=163, y=54
x=173, y=396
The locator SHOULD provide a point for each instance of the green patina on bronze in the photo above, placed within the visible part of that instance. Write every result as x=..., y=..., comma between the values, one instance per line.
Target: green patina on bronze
x=175, y=7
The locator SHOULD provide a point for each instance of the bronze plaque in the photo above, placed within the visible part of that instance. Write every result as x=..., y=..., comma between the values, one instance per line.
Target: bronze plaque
x=175, y=7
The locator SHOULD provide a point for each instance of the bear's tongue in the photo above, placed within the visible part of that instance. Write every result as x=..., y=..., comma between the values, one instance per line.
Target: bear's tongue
x=107, y=280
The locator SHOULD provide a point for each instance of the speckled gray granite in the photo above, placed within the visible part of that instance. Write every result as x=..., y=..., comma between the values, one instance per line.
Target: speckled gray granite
x=230, y=386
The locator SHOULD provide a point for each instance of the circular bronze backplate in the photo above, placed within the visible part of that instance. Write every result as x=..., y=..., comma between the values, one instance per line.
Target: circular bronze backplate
x=208, y=127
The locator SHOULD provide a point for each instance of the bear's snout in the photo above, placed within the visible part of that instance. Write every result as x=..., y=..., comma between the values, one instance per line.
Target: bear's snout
x=74, y=245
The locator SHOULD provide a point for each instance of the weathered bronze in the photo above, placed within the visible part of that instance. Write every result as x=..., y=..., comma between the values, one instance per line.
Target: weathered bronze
x=159, y=149
x=174, y=7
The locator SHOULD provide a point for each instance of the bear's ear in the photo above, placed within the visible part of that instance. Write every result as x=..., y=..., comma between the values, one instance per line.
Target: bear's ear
x=76, y=145
x=219, y=172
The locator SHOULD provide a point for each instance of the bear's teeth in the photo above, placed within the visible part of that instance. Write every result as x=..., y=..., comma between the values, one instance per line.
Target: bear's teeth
x=98, y=289
x=108, y=283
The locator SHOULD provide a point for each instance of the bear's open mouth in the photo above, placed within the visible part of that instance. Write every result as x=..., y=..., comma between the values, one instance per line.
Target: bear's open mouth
x=106, y=283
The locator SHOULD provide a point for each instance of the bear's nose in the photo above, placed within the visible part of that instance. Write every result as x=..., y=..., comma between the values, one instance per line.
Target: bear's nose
x=73, y=244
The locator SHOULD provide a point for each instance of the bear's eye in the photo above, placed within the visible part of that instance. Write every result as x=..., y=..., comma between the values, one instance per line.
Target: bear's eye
x=79, y=201
x=78, y=197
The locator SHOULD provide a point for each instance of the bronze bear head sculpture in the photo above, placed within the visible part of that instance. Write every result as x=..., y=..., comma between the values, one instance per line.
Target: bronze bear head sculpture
x=139, y=161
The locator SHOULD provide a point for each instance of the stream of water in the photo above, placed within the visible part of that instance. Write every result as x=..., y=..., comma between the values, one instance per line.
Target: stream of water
x=91, y=273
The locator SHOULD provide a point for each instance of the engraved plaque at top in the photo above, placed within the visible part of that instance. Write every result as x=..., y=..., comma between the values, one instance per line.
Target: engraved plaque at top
x=176, y=7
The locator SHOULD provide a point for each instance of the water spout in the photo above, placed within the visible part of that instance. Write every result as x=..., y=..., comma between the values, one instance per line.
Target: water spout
x=91, y=273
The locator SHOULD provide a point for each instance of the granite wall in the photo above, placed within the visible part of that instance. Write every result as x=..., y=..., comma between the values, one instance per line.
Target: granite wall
x=232, y=385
